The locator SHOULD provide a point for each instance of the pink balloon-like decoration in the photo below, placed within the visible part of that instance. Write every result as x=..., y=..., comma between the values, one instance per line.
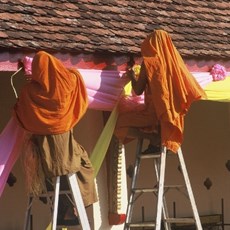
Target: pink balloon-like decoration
x=218, y=72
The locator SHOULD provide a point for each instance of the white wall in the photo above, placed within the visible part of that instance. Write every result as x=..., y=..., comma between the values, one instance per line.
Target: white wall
x=207, y=149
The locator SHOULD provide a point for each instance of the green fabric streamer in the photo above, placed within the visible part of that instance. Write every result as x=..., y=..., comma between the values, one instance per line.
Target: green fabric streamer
x=103, y=142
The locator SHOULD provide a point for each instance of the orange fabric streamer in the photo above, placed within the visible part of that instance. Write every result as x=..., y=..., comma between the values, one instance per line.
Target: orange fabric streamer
x=172, y=88
x=54, y=100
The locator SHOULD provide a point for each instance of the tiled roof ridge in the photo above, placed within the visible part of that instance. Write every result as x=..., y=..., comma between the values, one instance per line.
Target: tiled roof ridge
x=199, y=28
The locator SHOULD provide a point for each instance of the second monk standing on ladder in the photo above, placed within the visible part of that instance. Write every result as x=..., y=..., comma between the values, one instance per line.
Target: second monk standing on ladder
x=169, y=90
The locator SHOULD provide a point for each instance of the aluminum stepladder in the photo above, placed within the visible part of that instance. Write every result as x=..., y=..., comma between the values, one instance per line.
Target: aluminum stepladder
x=162, y=214
x=53, y=198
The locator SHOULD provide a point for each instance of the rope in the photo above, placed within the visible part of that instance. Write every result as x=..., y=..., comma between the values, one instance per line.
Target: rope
x=11, y=81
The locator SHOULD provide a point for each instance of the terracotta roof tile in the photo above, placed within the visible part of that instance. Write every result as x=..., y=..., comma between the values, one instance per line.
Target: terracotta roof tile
x=3, y=35
x=199, y=28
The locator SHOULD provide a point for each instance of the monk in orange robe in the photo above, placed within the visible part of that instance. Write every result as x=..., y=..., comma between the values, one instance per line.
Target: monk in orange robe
x=169, y=90
x=48, y=107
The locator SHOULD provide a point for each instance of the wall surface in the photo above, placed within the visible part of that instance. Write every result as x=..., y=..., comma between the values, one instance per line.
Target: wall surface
x=207, y=150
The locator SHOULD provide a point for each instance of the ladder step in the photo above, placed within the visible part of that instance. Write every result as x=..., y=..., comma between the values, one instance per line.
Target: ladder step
x=166, y=187
x=149, y=155
x=180, y=220
x=139, y=190
x=168, y=220
x=141, y=224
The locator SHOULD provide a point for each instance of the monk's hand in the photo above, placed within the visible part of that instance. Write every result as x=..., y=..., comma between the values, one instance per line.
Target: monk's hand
x=134, y=72
x=130, y=73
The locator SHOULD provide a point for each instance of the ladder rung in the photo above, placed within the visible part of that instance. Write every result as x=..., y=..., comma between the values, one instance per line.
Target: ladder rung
x=141, y=224
x=138, y=190
x=149, y=155
x=180, y=220
x=168, y=220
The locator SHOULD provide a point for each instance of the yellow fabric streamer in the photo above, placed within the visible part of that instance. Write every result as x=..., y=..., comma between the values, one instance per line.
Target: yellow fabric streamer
x=127, y=89
x=218, y=90
x=102, y=144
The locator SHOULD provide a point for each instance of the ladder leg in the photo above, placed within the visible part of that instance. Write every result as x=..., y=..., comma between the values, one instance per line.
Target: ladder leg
x=56, y=198
x=78, y=201
x=189, y=190
x=161, y=189
x=28, y=211
x=165, y=209
x=133, y=184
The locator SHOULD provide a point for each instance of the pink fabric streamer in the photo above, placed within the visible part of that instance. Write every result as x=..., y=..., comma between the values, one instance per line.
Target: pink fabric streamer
x=27, y=62
x=104, y=87
x=203, y=78
x=11, y=141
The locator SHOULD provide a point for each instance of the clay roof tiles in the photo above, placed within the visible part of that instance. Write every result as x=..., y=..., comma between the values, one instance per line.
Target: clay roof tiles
x=199, y=28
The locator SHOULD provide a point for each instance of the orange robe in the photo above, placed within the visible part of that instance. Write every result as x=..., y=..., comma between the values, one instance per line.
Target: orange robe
x=54, y=101
x=170, y=91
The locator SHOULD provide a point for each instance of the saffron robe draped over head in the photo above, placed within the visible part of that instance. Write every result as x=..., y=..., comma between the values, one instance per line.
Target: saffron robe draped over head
x=169, y=92
x=171, y=87
x=55, y=99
